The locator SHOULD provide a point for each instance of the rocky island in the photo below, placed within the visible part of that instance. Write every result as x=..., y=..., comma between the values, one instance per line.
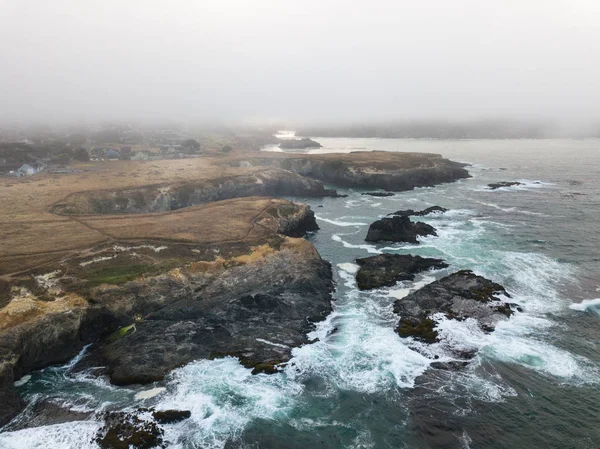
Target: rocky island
x=386, y=270
x=164, y=262
x=299, y=144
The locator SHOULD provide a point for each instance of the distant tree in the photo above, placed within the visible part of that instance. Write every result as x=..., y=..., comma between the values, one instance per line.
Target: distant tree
x=81, y=154
x=226, y=149
x=125, y=153
x=63, y=158
x=190, y=146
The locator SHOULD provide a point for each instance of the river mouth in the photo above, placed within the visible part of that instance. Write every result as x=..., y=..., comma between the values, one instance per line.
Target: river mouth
x=532, y=384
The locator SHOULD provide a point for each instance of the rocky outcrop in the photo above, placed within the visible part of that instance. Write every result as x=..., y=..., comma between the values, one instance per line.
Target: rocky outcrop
x=499, y=185
x=294, y=221
x=159, y=198
x=371, y=170
x=123, y=430
x=459, y=296
x=398, y=229
x=256, y=307
x=299, y=144
x=386, y=270
x=420, y=213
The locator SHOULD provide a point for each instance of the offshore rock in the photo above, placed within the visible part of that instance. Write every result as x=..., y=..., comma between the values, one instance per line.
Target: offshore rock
x=420, y=213
x=458, y=296
x=385, y=270
x=498, y=185
x=299, y=144
x=398, y=229
x=378, y=194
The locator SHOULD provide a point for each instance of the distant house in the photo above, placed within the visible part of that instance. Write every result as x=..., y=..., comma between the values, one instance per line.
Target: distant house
x=28, y=170
x=112, y=155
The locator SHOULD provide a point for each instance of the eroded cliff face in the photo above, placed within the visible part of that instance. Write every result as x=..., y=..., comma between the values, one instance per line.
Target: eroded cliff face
x=151, y=306
x=166, y=197
x=382, y=170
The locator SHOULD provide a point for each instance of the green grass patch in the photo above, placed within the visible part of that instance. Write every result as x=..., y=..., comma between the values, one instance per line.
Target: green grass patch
x=117, y=274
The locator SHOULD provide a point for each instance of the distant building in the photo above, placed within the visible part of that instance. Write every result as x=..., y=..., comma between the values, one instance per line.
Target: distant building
x=28, y=170
x=140, y=156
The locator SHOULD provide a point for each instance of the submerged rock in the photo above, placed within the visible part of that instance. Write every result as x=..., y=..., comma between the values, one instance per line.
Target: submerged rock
x=299, y=144
x=170, y=416
x=458, y=296
x=45, y=413
x=420, y=213
x=386, y=269
x=498, y=185
x=380, y=194
x=398, y=229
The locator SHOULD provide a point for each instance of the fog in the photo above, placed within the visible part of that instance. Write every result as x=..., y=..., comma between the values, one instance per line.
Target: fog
x=301, y=61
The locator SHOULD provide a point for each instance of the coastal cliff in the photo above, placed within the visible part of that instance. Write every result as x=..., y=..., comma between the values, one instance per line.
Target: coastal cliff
x=373, y=169
x=151, y=306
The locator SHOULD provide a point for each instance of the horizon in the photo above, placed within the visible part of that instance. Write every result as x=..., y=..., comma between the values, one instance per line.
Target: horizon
x=230, y=62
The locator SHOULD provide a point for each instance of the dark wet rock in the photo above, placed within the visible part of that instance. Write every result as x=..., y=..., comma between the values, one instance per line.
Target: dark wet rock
x=458, y=296
x=299, y=144
x=123, y=430
x=385, y=270
x=46, y=413
x=295, y=220
x=170, y=416
x=9, y=398
x=453, y=365
x=498, y=185
x=398, y=229
x=380, y=194
x=420, y=213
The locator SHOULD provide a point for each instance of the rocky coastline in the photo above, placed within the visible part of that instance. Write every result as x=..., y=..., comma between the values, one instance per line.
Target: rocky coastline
x=157, y=274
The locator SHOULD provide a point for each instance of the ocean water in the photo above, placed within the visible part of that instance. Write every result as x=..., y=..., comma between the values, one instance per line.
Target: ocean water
x=533, y=384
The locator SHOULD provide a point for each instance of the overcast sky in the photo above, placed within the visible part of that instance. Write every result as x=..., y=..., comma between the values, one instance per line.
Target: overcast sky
x=305, y=59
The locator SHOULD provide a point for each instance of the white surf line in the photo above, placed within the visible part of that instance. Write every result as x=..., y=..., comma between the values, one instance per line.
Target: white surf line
x=147, y=394
x=271, y=343
x=340, y=223
x=585, y=304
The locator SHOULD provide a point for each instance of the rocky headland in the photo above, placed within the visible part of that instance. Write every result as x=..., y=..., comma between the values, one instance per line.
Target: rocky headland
x=366, y=169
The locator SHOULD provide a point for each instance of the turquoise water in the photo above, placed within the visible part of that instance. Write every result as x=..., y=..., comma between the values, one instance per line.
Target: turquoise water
x=534, y=382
